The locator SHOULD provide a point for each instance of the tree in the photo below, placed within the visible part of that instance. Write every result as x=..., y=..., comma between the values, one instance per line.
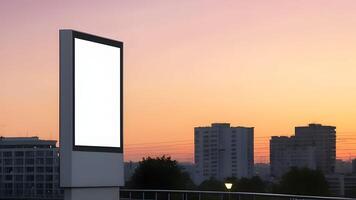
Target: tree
x=212, y=185
x=160, y=173
x=303, y=182
x=254, y=184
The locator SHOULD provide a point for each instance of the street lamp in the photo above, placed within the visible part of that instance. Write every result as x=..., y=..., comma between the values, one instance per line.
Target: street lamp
x=228, y=187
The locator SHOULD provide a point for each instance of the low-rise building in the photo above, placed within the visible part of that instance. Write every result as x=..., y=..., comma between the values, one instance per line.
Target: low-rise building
x=29, y=168
x=342, y=184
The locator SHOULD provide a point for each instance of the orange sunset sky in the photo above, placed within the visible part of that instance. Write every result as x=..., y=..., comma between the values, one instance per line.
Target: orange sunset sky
x=272, y=65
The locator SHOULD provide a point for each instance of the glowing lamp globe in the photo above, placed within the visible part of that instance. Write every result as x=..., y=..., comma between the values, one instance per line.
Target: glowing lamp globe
x=228, y=186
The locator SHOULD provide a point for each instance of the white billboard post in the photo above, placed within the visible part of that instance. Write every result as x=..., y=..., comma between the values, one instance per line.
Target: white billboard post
x=91, y=116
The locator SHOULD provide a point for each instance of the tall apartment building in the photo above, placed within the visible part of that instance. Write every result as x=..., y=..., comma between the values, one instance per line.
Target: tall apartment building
x=313, y=146
x=223, y=151
x=285, y=153
x=29, y=168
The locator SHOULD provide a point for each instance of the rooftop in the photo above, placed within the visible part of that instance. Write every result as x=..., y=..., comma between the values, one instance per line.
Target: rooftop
x=223, y=125
x=24, y=141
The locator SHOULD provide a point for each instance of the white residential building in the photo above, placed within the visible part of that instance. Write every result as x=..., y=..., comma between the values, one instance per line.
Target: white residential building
x=29, y=168
x=223, y=151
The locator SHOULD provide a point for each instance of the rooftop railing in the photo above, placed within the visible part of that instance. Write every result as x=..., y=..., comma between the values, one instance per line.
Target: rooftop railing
x=144, y=194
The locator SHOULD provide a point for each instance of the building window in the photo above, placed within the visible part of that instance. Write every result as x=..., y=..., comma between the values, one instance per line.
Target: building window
x=40, y=169
x=49, y=178
x=8, y=188
x=8, y=161
x=7, y=154
x=29, y=188
x=30, y=161
x=8, y=170
x=30, y=169
x=19, y=178
x=30, y=153
x=8, y=178
x=30, y=178
x=18, y=169
x=48, y=185
x=39, y=161
x=18, y=161
x=49, y=153
x=39, y=178
x=49, y=161
x=19, y=154
x=49, y=169
x=18, y=189
x=39, y=153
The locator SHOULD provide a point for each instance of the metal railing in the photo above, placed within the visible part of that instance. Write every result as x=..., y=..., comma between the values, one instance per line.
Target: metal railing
x=144, y=194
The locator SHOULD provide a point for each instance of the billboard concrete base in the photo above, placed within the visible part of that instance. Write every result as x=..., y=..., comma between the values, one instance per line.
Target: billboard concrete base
x=104, y=193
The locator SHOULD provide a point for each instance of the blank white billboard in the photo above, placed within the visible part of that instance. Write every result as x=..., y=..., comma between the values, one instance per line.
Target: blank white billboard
x=97, y=94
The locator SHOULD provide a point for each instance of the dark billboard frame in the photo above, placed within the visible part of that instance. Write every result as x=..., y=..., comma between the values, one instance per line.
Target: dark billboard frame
x=66, y=72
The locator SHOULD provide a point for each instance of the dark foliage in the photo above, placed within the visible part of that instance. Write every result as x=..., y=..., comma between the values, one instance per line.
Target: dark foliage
x=160, y=173
x=303, y=182
x=212, y=185
x=254, y=184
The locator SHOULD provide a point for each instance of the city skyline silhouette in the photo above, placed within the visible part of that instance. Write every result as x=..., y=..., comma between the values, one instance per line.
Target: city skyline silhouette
x=268, y=65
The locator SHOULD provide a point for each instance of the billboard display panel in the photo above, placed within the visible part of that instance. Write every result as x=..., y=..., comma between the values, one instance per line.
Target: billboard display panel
x=97, y=94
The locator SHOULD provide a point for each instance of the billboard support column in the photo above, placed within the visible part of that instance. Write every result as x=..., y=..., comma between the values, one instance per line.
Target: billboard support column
x=111, y=193
x=91, y=116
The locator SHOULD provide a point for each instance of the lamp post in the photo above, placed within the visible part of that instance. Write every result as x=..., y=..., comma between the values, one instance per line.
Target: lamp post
x=228, y=187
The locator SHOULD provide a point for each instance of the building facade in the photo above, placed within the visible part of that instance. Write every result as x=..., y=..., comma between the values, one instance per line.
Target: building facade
x=129, y=170
x=285, y=153
x=342, y=184
x=223, y=151
x=353, y=166
x=323, y=138
x=29, y=169
x=313, y=146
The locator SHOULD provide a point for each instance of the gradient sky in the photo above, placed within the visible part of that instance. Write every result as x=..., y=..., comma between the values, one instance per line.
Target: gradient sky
x=272, y=65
